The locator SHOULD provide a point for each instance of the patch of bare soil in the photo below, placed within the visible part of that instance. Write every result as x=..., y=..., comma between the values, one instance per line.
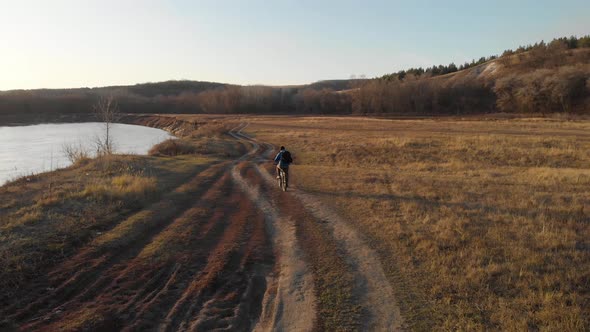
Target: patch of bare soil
x=289, y=303
x=371, y=289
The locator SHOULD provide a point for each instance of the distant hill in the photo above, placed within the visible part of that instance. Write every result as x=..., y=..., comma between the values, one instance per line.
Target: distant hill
x=542, y=78
x=172, y=88
x=539, y=78
x=167, y=88
x=158, y=97
x=336, y=85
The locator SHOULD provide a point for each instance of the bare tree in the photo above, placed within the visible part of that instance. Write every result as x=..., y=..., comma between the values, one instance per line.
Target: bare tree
x=107, y=112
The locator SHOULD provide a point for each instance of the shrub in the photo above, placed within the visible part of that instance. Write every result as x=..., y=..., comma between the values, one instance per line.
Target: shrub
x=172, y=147
x=75, y=153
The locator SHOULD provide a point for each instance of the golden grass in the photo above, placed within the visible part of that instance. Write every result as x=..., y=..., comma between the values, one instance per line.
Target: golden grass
x=122, y=187
x=105, y=204
x=479, y=224
x=223, y=147
x=46, y=218
x=172, y=147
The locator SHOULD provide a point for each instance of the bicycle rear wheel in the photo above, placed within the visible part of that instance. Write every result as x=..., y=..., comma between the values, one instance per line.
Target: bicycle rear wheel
x=280, y=179
x=283, y=180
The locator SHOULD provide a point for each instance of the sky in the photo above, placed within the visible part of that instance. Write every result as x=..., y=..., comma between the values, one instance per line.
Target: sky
x=68, y=44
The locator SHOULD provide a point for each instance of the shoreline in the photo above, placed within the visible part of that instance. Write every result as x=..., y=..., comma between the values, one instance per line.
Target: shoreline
x=176, y=129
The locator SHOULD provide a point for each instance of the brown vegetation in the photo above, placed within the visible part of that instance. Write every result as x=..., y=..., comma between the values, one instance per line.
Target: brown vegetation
x=562, y=89
x=77, y=241
x=107, y=112
x=44, y=218
x=205, y=137
x=540, y=78
x=480, y=224
x=178, y=243
x=172, y=147
x=543, y=79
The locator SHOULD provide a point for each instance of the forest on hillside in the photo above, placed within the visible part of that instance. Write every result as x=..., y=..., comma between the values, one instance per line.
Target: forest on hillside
x=539, y=78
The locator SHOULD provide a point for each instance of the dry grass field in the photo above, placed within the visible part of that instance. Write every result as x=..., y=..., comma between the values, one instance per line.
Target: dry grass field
x=479, y=224
x=388, y=224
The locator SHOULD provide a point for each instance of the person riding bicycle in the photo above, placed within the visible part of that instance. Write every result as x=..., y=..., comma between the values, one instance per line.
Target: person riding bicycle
x=283, y=160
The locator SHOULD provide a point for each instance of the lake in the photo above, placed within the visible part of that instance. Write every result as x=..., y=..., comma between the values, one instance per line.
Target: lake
x=32, y=149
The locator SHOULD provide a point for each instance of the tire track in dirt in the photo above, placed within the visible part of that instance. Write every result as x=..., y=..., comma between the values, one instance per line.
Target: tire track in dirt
x=82, y=277
x=56, y=283
x=230, y=298
x=372, y=290
x=129, y=291
x=214, y=297
x=202, y=232
x=333, y=285
x=108, y=278
x=225, y=251
x=220, y=285
x=289, y=302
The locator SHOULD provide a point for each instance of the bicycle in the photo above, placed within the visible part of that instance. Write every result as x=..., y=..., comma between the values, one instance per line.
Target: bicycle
x=283, y=179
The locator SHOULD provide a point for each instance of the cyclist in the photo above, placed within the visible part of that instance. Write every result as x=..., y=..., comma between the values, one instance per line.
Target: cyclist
x=283, y=160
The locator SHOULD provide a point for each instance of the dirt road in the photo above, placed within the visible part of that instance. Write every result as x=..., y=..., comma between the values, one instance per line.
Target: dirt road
x=227, y=250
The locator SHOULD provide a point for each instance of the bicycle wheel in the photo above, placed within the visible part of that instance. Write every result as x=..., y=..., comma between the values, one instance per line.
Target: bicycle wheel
x=283, y=180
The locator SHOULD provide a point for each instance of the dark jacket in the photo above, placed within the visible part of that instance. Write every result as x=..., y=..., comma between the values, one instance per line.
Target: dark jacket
x=279, y=160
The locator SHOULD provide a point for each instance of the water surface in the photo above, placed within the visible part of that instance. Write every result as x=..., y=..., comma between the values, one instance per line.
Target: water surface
x=33, y=149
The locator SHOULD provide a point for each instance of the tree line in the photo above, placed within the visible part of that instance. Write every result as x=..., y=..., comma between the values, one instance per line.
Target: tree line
x=436, y=70
x=539, y=78
x=557, y=43
x=544, y=77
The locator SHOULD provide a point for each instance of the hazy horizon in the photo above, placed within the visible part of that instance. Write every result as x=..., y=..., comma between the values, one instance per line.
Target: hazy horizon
x=66, y=44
